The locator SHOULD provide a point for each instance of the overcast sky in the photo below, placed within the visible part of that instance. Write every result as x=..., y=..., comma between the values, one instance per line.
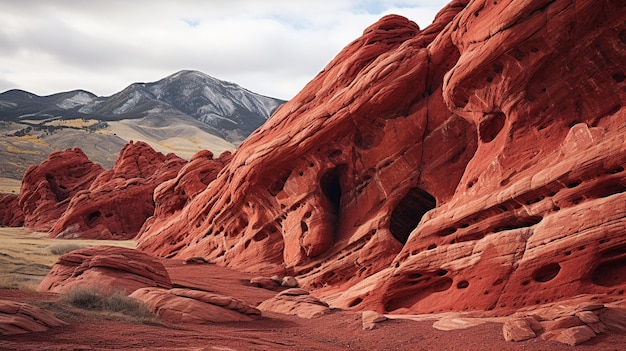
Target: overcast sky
x=271, y=47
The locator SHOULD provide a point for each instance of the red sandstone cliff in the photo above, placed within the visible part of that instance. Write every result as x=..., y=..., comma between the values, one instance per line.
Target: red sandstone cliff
x=172, y=195
x=120, y=199
x=11, y=214
x=475, y=164
x=48, y=188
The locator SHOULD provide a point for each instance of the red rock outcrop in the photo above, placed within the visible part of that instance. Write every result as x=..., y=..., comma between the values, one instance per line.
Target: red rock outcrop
x=119, y=200
x=195, y=306
x=297, y=302
x=172, y=195
x=23, y=318
x=11, y=214
x=106, y=268
x=475, y=164
x=47, y=188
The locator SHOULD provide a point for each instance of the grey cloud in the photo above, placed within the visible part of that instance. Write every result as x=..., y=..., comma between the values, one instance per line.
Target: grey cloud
x=271, y=47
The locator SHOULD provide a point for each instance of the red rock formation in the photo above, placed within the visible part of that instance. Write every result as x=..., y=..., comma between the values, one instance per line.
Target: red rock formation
x=477, y=164
x=48, y=188
x=120, y=200
x=195, y=306
x=295, y=302
x=172, y=195
x=22, y=318
x=106, y=268
x=11, y=214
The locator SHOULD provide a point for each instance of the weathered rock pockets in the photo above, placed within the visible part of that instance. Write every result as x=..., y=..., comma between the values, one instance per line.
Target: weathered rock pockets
x=477, y=164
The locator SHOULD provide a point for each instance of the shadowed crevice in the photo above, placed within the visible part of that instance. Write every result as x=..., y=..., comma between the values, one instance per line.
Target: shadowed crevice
x=407, y=215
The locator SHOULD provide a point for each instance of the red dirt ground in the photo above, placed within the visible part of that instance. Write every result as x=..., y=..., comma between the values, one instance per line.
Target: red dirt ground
x=340, y=330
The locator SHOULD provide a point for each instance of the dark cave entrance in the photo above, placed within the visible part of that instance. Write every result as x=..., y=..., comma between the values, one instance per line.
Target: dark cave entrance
x=408, y=214
x=331, y=187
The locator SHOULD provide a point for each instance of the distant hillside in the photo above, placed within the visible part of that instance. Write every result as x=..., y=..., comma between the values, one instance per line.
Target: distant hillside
x=182, y=113
x=229, y=111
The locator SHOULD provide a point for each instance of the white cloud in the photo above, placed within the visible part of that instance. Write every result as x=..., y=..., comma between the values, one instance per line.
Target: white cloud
x=273, y=47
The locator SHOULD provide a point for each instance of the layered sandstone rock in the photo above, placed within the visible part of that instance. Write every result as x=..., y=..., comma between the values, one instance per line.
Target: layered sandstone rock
x=172, y=195
x=106, y=268
x=297, y=302
x=570, y=322
x=195, y=306
x=48, y=188
x=475, y=164
x=23, y=318
x=11, y=214
x=72, y=197
x=536, y=216
x=119, y=200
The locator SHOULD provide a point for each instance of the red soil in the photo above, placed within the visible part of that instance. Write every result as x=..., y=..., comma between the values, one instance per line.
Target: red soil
x=340, y=330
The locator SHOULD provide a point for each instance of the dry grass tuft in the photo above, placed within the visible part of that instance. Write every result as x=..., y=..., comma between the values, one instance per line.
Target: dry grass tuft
x=114, y=305
x=12, y=281
x=63, y=248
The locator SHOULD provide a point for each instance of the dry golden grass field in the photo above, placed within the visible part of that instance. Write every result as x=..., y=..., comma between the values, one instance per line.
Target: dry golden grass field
x=27, y=256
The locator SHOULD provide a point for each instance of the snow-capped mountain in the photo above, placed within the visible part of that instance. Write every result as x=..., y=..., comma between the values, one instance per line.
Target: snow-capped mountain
x=19, y=104
x=228, y=110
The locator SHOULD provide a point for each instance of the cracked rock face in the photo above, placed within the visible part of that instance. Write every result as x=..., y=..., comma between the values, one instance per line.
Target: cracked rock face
x=477, y=164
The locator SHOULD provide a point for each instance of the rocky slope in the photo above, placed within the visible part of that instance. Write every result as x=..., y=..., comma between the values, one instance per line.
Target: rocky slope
x=477, y=164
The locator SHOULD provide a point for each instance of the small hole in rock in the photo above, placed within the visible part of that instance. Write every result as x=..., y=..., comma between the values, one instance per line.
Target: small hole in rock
x=547, y=272
x=355, y=302
x=573, y=184
x=490, y=126
x=619, y=77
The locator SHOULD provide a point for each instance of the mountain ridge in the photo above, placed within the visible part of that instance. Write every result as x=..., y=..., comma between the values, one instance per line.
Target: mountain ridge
x=183, y=113
x=229, y=110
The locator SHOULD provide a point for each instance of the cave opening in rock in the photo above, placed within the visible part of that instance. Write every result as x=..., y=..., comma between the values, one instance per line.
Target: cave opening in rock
x=408, y=214
x=331, y=187
x=92, y=218
x=490, y=126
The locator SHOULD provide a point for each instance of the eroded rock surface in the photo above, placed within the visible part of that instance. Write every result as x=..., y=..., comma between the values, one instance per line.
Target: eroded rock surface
x=119, y=200
x=570, y=322
x=297, y=302
x=11, y=214
x=195, y=306
x=23, y=318
x=477, y=164
x=106, y=268
x=172, y=195
x=48, y=188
